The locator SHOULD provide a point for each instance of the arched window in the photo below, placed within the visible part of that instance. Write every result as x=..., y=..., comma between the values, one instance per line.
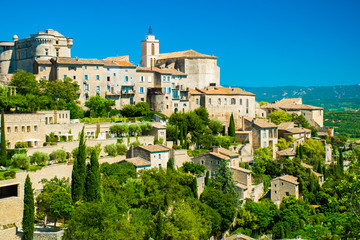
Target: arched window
x=233, y=101
x=153, y=49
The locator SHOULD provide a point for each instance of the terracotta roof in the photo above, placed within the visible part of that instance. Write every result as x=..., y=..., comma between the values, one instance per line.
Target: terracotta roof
x=110, y=63
x=317, y=174
x=288, y=178
x=217, y=155
x=227, y=152
x=194, y=91
x=241, y=169
x=125, y=64
x=306, y=165
x=224, y=91
x=184, y=54
x=289, y=104
x=286, y=125
x=286, y=152
x=138, y=161
x=261, y=122
x=298, y=130
x=119, y=58
x=241, y=185
x=155, y=148
x=169, y=71
x=79, y=61
x=157, y=125
x=239, y=236
x=43, y=62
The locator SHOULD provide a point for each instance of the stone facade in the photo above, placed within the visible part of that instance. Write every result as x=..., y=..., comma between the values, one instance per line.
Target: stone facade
x=157, y=155
x=282, y=187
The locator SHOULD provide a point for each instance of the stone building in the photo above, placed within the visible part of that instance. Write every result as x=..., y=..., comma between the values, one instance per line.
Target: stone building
x=158, y=155
x=283, y=186
x=221, y=102
x=264, y=133
x=289, y=131
x=314, y=115
x=310, y=169
x=21, y=54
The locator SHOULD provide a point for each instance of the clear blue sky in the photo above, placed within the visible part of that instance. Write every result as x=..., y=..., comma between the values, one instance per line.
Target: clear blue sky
x=258, y=42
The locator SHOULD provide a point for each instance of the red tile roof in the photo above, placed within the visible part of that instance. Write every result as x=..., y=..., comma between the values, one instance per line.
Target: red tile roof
x=184, y=54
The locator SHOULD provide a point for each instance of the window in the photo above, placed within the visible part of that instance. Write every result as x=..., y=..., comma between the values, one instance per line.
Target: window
x=181, y=87
x=74, y=77
x=209, y=100
x=264, y=135
x=46, y=51
x=219, y=101
x=72, y=68
x=42, y=68
x=28, y=128
x=97, y=77
x=163, y=78
x=57, y=52
x=287, y=194
x=44, y=77
x=169, y=90
x=141, y=78
x=84, y=67
x=86, y=77
x=240, y=101
x=126, y=78
x=86, y=87
x=225, y=101
x=149, y=79
x=159, y=156
x=142, y=99
x=64, y=76
x=96, y=67
x=153, y=49
x=35, y=128
x=264, y=144
x=168, y=78
x=114, y=74
x=141, y=89
x=97, y=88
x=16, y=129
x=233, y=101
x=57, y=42
x=107, y=69
x=22, y=128
x=164, y=90
x=8, y=130
x=197, y=101
x=108, y=79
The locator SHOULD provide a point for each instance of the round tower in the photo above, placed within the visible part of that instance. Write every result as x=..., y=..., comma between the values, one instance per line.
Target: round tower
x=43, y=46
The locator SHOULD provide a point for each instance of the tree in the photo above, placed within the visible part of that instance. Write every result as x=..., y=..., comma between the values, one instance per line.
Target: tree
x=25, y=83
x=3, y=153
x=193, y=168
x=79, y=171
x=119, y=129
x=223, y=179
x=170, y=164
x=159, y=226
x=28, y=220
x=203, y=114
x=54, y=201
x=280, y=116
x=231, y=129
x=93, y=181
x=65, y=89
x=194, y=187
x=99, y=106
x=283, y=144
x=216, y=126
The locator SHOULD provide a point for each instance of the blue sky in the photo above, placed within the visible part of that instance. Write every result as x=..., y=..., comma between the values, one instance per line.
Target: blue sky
x=258, y=42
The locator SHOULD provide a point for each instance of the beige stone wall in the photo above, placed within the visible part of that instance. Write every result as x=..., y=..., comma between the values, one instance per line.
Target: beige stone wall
x=10, y=234
x=180, y=157
x=241, y=176
x=200, y=184
x=280, y=189
x=201, y=72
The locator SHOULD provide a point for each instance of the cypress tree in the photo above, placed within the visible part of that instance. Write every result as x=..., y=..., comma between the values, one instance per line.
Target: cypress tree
x=170, y=164
x=79, y=171
x=194, y=187
x=3, y=154
x=159, y=226
x=177, y=134
x=341, y=161
x=93, y=184
x=28, y=220
x=181, y=135
x=231, y=129
x=207, y=178
x=301, y=151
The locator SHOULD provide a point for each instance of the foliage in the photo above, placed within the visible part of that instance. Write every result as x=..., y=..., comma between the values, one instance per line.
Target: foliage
x=223, y=179
x=314, y=148
x=135, y=144
x=216, y=126
x=39, y=158
x=280, y=116
x=134, y=129
x=3, y=152
x=121, y=149
x=21, y=161
x=21, y=145
x=58, y=156
x=170, y=164
x=193, y=168
x=28, y=221
x=121, y=172
x=93, y=184
x=346, y=123
x=110, y=149
x=137, y=110
x=99, y=106
x=231, y=129
x=119, y=129
x=283, y=144
x=79, y=171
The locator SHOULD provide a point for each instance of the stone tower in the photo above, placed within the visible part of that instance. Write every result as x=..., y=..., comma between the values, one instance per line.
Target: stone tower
x=149, y=50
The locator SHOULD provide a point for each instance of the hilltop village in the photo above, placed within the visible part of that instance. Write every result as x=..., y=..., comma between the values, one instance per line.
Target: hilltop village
x=163, y=131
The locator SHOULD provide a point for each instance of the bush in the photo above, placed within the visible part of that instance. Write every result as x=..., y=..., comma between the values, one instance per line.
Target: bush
x=110, y=150
x=39, y=158
x=58, y=156
x=21, y=145
x=135, y=144
x=159, y=141
x=121, y=149
x=21, y=161
x=10, y=174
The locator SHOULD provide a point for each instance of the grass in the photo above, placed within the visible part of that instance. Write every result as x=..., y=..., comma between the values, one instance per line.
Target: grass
x=34, y=168
x=197, y=152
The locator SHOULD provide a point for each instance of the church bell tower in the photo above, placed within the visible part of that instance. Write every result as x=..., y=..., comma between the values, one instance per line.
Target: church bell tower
x=149, y=50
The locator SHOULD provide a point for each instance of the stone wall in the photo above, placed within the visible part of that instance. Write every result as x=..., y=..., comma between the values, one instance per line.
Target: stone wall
x=180, y=157
x=9, y=234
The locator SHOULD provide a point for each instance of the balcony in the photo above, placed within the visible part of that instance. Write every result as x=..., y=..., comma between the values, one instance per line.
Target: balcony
x=116, y=93
x=123, y=91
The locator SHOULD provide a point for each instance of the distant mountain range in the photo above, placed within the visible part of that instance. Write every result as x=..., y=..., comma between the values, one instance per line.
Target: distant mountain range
x=270, y=94
x=333, y=98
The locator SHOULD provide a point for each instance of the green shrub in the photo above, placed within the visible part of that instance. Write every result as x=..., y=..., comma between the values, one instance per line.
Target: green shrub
x=21, y=161
x=39, y=158
x=135, y=144
x=21, y=145
x=110, y=149
x=159, y=141
x=10, y=174
x=121, y=149
x=58, y=156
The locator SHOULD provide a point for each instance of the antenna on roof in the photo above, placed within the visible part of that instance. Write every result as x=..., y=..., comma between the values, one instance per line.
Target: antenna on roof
x=150, y=30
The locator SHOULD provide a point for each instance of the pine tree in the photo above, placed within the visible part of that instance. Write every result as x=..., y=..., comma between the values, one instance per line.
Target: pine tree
x=28, y=220
x=93, y=182
x=170, y=164
x=231, y=129
x=194, y=187
x=3, y=154
x=79, y=171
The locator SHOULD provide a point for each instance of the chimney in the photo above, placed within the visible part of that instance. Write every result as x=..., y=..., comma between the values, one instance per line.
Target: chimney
x=216, y=149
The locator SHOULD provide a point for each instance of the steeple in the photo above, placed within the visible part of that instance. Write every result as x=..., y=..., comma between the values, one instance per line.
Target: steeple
x=149, y=50
x=150, y=31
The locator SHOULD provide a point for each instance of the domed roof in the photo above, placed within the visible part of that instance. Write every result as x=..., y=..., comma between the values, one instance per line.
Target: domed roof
x=15, y=37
